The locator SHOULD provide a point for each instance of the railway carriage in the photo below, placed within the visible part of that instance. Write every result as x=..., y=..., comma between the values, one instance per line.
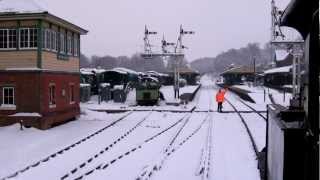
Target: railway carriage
x=147, y=92
x=121, y=76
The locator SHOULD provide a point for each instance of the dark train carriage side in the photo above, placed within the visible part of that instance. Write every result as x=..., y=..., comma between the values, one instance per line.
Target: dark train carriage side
x=86, y=77
x=115, y=78
x=92, y=77
x=119, y=76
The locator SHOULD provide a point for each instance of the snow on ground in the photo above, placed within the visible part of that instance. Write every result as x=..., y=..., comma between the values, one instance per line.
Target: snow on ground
x=130, y=103
x=133, y=164
x=21, y=148
x=282, y=98
x=257, y=125
x=185, y=161
x=260, y=95
x=232, y=154
x=206, y=97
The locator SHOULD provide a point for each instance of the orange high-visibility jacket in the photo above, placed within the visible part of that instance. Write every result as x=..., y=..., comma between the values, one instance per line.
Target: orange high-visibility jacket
x=220, y=96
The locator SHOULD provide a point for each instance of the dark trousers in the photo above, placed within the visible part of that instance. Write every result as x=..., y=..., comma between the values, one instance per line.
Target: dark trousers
x=219, y=106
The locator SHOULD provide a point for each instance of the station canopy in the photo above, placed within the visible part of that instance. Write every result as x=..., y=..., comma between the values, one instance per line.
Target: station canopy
x=285, y=69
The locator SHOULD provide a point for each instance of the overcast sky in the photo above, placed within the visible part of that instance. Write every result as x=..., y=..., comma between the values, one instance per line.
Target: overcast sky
x=116, y=27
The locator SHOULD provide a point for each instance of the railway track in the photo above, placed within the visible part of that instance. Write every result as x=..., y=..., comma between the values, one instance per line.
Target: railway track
x=206, y=153
x=254, y=110
x=106, y=148
x=172, y=147
x=63, y=150
x=90, y=165
x=253, y=143
x=130, y=151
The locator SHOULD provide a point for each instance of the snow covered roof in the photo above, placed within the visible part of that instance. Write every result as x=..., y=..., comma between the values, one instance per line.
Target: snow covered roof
x=151, y=79
x=31, y=9
x=91, y=70
x=126, y=70
x=84, y=85
x=279, y=70
x=20, y=6
x=281, y=55
x=86, y=73
x=122, y=70
x=155, y=73
x=117, y=71
x=186, y=70
x=239, y=69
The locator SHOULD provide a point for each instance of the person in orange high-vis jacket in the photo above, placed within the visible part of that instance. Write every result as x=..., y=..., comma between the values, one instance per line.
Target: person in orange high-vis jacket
x=220, y=98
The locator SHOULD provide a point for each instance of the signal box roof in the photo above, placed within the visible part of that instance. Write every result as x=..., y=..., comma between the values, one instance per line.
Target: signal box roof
x=30, y=10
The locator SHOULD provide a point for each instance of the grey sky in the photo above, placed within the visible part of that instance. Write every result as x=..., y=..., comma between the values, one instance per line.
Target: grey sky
x=116, y=26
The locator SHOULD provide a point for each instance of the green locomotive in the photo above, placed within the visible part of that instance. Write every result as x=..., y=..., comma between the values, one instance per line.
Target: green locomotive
x=147, y=92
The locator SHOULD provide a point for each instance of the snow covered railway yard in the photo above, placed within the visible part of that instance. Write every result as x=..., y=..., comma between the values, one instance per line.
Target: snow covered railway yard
x=140, y=145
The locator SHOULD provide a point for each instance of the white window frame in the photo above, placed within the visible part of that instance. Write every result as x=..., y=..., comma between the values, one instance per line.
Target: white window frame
x=53, y=36
x=62, y=44
x=47, y=39
x=52, y=96
x=8, y=39
x=28, y=38
x=75, y=46
x=8, y=106
x=57, y=41
x=69, y=45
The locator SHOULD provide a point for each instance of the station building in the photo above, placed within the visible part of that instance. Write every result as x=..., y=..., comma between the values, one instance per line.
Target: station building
x=238, y=75
x=190, y=75
x=280, y=77
x=39, y=66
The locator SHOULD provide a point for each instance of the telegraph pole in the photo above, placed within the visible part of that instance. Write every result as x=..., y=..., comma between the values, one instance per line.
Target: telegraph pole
x=254, y=72
x=177, y=54
x=180, y=49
